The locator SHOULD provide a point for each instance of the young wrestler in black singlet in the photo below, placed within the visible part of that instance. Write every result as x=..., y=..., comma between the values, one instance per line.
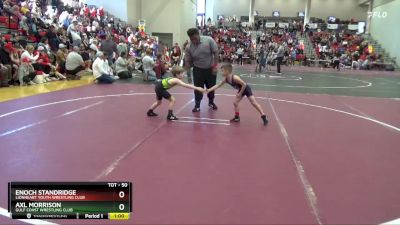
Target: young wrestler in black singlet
x=243, y=90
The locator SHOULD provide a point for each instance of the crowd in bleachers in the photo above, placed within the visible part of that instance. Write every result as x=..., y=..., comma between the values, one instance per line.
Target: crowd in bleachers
x=55, y=41
x=334, y=48
x=62, y=41
x=239, y=45
x=269, y=42
x=234, y=45
x=342, y=50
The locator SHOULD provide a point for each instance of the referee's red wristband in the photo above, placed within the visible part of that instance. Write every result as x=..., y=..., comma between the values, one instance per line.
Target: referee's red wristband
x=214, y=66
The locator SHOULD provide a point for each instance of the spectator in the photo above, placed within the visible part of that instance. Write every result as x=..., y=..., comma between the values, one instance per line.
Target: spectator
x=15, y=62
x=62, y=35
x=6, y=64
x=5, y=75
x=73, y=30
x=86, y=58
x=43, y=61
x=122, y=46
x=47, y=67
x=148, y=65
x=365, y=65
x=94, y=48
x=293, y=55
x=26, y=72
x=240, y=53
x=159, y=67
x=108, y=47
x=74, y=64
x=85, y=41
x=100, y=72
x=52, y=38
x=61, y=57
x=176, y=55
x=123, y=66
x=24, y=25
x=28, y=53
x=20, y=43
x=336, y=62
x=95, y=25
x=44, y=42
x=262, y=59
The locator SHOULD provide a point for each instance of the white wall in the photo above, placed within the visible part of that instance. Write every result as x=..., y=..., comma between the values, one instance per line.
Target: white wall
x=210, y=9
x=162, y=16
x=115, y=7
x=188, y=20
x=231, y=7
x=288, y=8
x=344, y=9
x=169, y=16
x=134, y=8
x=159, y=16
x=381, y=2
x=387, y=30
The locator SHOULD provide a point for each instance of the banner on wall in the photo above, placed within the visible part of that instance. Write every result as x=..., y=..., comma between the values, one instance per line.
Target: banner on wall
x=313, y=25
x=370, y=49
x=283, y=25
x=142, y=25
x=269, y=25
x=333, y=26
x=245, y=24
x=361, y=27
x=353, y=27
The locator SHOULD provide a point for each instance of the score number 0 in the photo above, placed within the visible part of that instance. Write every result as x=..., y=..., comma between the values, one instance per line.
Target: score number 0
x=121, y=195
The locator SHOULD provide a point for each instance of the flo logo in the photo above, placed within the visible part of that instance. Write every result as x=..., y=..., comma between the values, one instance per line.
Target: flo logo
x=379, y=15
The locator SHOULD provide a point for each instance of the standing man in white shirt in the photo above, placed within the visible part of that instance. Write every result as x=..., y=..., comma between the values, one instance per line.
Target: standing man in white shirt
x=279, y=57
x=240, y=53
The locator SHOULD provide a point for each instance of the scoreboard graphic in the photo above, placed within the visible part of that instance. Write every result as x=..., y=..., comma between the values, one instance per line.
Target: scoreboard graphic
x=70, y=200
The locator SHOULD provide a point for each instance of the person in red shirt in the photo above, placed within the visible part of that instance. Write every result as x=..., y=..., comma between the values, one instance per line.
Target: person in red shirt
x=15, y=62
x=101, y=11
x=159, y=67
x=86, y=10
x=176, y=55
x=166, y=57
x=43, y=60
x=49, y=70
x=363, y=57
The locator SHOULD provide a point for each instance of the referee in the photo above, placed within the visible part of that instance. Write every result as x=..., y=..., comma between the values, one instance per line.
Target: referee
x=202, y=54
x=279, y=57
